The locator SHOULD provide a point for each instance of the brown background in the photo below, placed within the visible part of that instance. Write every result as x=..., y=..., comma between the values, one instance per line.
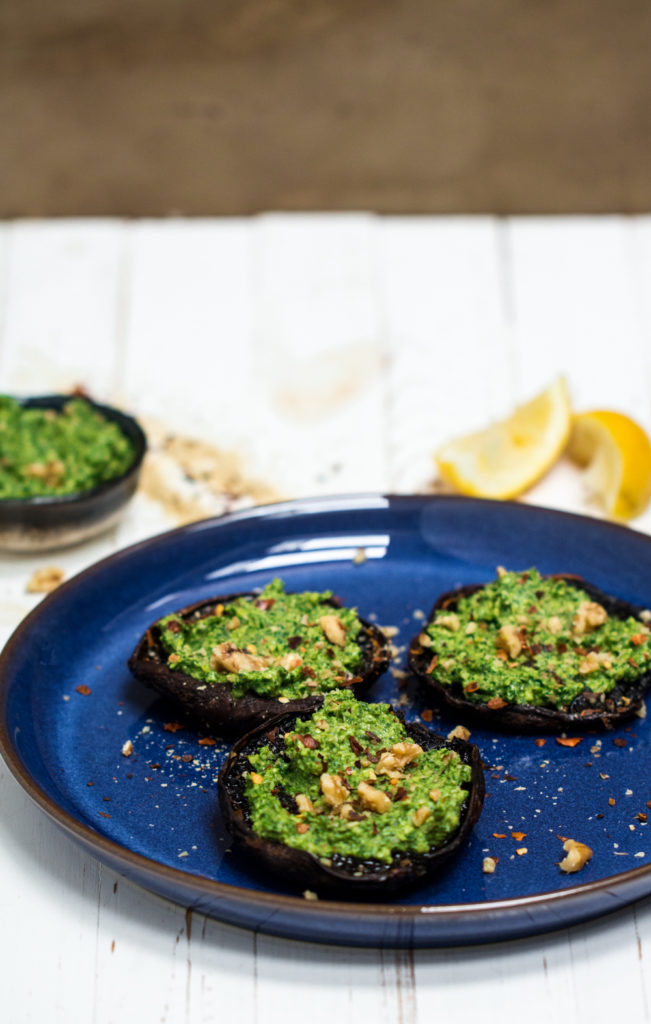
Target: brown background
x=233, y=106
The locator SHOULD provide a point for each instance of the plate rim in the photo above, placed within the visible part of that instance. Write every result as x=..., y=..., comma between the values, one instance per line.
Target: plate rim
x=347, y=912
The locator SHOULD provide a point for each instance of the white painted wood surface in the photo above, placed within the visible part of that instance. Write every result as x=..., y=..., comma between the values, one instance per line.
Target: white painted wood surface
x=286, y=336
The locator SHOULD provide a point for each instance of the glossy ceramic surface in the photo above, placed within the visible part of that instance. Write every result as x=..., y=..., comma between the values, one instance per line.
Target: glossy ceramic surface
x=68, y=706
x=55, y=521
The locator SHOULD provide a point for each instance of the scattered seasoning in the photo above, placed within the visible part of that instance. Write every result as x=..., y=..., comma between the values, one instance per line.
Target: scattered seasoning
x=499, y=835
x=489, y=864
x=127, y=749
x=173, y=727
x=459, y=732
x=611, y=801
x=103, y=814
x=83, y=689
x=521, y=851
x=568, y=741
x=207, y=741
x=427, y=715
x=540, y=742
x=518, y=836
x=619, y=741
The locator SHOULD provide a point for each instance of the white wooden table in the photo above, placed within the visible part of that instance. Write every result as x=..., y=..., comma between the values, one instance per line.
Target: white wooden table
x=285, y=337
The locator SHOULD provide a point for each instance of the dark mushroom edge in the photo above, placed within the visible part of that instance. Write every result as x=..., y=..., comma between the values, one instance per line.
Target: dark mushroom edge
x=343, y=876
x=213, y=705
x=618, y=704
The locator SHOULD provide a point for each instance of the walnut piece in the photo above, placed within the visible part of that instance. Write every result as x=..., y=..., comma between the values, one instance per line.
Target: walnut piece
x=304, y=803
x=459, y=732
x=393, y=761
x=334, y=629
x=229, y=658
x=593, y=661
x=508, y=639
x=578, y=854
x=488, y=865
x=450, y=622
x=588, y=616
x=44, y=580
x=420, y=815
x=554, y=625
x=334, y=792
x=290, y=661
x=374, y=799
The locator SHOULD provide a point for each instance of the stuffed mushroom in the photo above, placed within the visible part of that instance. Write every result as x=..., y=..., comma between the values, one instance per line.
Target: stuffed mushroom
x=236, y=661
x=534, y=652
x=350, y=800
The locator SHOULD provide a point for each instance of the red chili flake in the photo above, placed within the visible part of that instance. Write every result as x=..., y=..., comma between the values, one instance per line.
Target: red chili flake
x=302, y=827
x=83, y=689
x=632, y=662
x=495, y=703
x=187, y=758
x=471, y=687
x=427, y=715
x=648, y=803
x=502, y=655
x=433, y=663
x=611, y=801
x=172, y=726
x=271, y=735
x=92, y=784
x=355, y=745
x=641, y=816
x=638, y=639
x=308, y=671
x=207, y=741
x=103, y=814
x=174, y=626
x=372, y=737
x=518, y=836
x=599, y=816
x=540, y=742
x=619, y=741
x=400, y=793
x=294, y=642
x=587, y=764
x=348, y=770
x=499, y=835
x=568, y=741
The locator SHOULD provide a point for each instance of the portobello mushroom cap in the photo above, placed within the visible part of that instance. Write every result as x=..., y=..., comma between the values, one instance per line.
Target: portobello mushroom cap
x=345, y=875
x=213, y=704
x=618, y=704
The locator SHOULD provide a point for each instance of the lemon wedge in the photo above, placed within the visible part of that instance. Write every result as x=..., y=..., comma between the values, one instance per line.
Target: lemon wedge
x=508, y=457
x=617, y=455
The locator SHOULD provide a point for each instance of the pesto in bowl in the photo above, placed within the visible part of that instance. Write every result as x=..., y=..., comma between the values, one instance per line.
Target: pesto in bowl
x=47, y=451
x=68, y=467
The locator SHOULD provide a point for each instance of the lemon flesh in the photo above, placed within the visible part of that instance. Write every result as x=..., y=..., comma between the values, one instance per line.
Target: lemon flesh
x=508, y=457
x=617, y=455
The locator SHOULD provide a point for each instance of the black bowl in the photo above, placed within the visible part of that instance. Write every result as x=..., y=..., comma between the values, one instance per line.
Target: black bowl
x=58, y=520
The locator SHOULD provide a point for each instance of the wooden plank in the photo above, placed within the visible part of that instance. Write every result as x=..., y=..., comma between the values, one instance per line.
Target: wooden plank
x=60, y=320
x=445, y=330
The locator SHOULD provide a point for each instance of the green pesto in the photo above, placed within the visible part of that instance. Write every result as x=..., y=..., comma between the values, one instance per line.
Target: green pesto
x=277, y=626
x=370, y=833
x=46, y=452
x=547, y=670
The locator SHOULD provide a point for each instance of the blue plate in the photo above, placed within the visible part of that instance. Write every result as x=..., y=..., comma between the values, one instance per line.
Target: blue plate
x=69, y=706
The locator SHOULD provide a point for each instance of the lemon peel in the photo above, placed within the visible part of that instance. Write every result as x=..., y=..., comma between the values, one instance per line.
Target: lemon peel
x=616, y=454
x=508, y=457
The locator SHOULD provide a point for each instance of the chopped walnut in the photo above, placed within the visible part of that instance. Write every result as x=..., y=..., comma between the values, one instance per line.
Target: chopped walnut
x=588, y=616
x=420, y=815
x=45, y=580
x=334, y=629
x=435, y=795
x=393, y=761
x=578, y=854
x=51, y=472
x=229, y=658
x=334, y=792
x=290, y=661
x=450, y=622
x=488, y=865
x=471, y=628
x=127, y=749
x=424, y=640
x=304, y=803
x=501, y=571
x=459, y=732
x=233, y=623
x=508, y=639
x=374, y=799
x=554, y=625
x=593, y=661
